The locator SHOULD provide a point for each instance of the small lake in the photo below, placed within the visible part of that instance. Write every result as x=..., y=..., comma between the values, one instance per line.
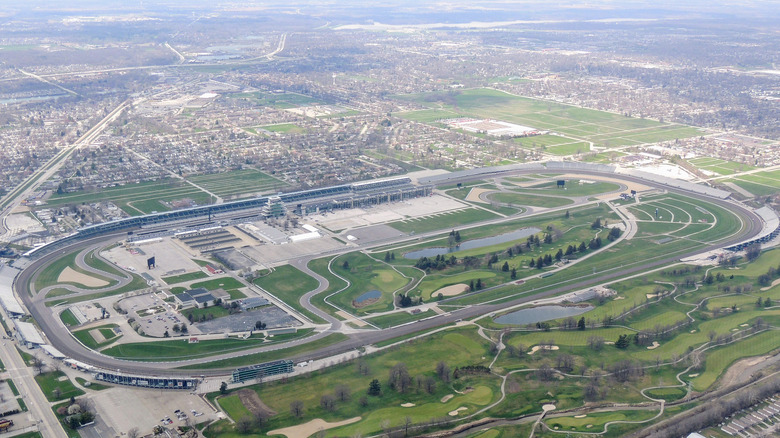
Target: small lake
x=368, y=296
x=539, y=314
x=471, y=244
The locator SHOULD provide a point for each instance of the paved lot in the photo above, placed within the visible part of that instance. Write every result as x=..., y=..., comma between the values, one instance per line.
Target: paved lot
x=169, y=257
x=269, y=254
x=153, y=324
x=272, y=316
x=125, y=408
x=372, y=233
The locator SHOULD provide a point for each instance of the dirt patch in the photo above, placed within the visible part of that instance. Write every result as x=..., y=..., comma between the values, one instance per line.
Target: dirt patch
x=351, y=318
x=447, y=398
x=474, y=193
x=97, y=336
x=308, y=429
x=252, y=402
x=69, y=275
x=408, y=405
x=737, y=369
x=451, y=291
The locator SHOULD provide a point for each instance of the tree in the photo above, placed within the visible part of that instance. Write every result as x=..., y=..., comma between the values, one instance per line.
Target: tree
x=753, y=251
x=166, y=334
x=505, y=267
x=296, y=408
x=132, y=433
x=259, y=325
x=400, y=380
x=581, y=324
x=244, y=424
x=513, y=274
x=374, y=388
x=622, y=342
x=37, y=364
x=478, y=286
x=567, y=215
x=596, y=224
x=443, y=371
x=223, y=388
x=559, y=255
x=345, y=265
x=342, y=392
x=545, y=372
x=596, y=343
x=328, y=402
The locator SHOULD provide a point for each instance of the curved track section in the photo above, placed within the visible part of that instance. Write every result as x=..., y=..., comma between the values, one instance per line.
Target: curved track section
x=60, y=337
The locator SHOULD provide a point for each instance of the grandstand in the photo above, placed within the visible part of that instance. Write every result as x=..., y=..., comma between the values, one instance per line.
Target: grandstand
x=770, y=230
x=304, y=202
x=147, y=382
x=262, y=370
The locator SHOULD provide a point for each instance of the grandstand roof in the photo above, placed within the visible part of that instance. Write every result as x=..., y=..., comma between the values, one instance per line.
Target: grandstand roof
x=7, y=297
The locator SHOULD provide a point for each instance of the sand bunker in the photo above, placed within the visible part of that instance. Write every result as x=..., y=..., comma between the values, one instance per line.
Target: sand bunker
x=408, y=405
x=546, y=347
x=654, y=346
x=774, y=283
x=69, y=275
x=619, y=298
x=307, y=429
x=451, y=291
x=474, y=193
x=580, y=416
x=447, y=398
x=693, y=375
x=457, y=411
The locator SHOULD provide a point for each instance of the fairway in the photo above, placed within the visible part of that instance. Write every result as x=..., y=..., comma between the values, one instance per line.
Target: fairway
x=572, y=124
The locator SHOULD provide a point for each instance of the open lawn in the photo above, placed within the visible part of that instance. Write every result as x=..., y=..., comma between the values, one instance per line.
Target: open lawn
x=288, y=284
x=366, y=274
x=86, y=338
x=180, y=348
x=190, y=276
x=602, y=128
x=55, y=389
x=219, y=283
x=459, y=347
x=238, y=183
x=530, y=200
x=442, y=221
x=719, y=359
x=138, y=198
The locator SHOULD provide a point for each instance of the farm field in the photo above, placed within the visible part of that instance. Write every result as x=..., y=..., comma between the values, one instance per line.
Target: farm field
x=572, y=123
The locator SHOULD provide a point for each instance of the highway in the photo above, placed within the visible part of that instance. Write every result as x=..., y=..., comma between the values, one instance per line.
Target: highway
x=60, y=337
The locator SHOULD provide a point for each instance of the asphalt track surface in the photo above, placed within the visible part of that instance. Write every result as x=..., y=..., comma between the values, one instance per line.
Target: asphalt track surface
x=60, y=337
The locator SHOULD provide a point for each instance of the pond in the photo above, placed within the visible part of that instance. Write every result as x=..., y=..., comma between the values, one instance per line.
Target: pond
x=471, y=244
x=368, y=296
x=539, y=314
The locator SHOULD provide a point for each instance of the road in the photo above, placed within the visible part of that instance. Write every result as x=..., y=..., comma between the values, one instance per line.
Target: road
x=23, y=377
x=61, y=339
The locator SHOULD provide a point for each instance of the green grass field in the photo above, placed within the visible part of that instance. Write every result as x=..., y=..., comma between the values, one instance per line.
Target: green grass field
x=288, y=284
x=55, y=389
x=578, y=124
x=443, y=220
x=136, y=199
x=719, y=166
x=86, y=338
x=190, y=276
x=238, y=183
x=530, y=200
x=180, y=349
x=219, y=283
x=720, y=358
x=68, y=318
x=284, y=128
x=366, y=274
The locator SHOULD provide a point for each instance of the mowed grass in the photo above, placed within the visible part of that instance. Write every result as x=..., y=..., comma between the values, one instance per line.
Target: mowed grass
x=457, y=348
x=719, y=359
x=55, y=389
x=289, y=284
x=529, y=200
x=597, y=420
x=578, y=124
x=68, y=318
x=50, y=274
x=366, y=274
x=136, y=198
x=85, y=337
x=238, y=183
x=573, y=187
x=190, y=276
x=443, y=221
x=180, y=348
x=219, y=283
x=719, y=166
x=284, y=128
